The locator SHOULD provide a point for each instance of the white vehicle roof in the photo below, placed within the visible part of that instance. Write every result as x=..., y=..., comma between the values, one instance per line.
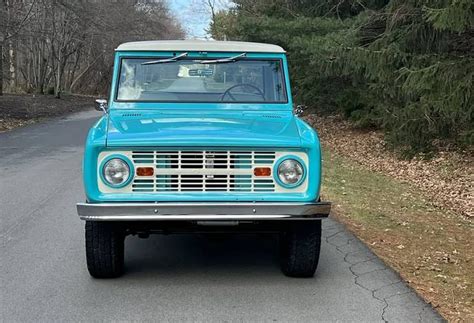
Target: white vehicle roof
x=200, y=46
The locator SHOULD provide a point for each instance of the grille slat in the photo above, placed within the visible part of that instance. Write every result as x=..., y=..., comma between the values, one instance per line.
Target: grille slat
x=204, y=171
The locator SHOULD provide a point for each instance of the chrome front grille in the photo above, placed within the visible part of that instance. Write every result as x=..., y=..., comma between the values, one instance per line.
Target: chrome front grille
x=203, y=171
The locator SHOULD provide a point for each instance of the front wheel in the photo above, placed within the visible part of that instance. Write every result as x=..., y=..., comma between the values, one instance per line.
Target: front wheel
x=300, y=246
x=104, y=249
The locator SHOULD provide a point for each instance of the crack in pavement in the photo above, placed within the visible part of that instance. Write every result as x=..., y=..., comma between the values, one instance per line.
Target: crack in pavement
x=373, y=275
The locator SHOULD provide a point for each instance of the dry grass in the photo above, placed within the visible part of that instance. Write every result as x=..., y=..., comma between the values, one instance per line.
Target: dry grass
x=447, y=179
x=415, y=214
x=430, y=248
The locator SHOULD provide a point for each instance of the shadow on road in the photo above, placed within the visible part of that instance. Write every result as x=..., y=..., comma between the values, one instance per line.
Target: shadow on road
x=215, y=254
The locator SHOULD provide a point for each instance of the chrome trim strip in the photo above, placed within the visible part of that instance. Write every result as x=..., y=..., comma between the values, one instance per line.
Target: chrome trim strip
x=202, y=211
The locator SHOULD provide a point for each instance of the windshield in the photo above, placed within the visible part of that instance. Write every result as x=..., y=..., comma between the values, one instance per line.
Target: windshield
x=190, y=80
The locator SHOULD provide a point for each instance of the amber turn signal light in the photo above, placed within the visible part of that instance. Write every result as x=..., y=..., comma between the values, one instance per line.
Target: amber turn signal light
x=145, y=171
x=262, y=171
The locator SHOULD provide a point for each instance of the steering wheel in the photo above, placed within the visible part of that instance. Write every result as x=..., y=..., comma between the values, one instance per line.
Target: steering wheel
x=227, y=92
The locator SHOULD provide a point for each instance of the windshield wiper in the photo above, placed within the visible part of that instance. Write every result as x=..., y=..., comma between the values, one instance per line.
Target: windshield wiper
x=223, y=60
x=166, y=60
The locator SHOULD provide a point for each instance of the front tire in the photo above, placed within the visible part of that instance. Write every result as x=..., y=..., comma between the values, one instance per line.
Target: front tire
x=300, y=247
x=104, y=249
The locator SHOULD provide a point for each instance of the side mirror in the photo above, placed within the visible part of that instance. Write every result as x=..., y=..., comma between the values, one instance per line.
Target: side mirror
x=299, y=110
x=101, y=105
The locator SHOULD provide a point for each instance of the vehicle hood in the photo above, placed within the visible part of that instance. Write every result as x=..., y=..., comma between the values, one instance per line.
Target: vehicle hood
x=202, y=128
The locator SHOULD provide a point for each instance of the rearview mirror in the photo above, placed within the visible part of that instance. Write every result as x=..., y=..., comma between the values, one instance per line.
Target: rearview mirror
x=201, y=72
x=101, y=105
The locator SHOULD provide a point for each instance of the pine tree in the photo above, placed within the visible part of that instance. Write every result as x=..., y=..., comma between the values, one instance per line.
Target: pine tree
x=406, y=67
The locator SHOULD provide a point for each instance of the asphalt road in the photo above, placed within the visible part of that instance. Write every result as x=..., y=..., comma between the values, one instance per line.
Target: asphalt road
x=177, y=277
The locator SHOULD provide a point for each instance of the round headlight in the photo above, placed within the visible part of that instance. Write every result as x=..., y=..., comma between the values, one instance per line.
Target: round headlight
x=116, y=172
x=290, y=172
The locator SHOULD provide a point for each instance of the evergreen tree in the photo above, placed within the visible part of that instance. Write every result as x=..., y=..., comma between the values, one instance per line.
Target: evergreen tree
x=406, y=67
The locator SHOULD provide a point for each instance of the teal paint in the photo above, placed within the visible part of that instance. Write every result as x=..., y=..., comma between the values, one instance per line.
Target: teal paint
x=155, y=126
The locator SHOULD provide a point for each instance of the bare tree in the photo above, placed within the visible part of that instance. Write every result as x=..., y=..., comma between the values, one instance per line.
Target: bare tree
x=58, y=45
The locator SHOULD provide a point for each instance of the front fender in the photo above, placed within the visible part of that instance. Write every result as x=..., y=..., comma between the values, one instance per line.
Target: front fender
x=95, y=142
x=310, y=140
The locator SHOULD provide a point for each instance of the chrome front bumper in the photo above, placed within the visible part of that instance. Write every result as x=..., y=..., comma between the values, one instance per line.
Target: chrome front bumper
x=202, y=211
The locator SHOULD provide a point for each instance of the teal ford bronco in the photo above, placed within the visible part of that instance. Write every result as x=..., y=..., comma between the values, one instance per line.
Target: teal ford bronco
x=201, y=136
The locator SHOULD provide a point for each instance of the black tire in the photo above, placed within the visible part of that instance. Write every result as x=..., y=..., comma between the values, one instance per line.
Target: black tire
x=104, y=249
x=300, y=245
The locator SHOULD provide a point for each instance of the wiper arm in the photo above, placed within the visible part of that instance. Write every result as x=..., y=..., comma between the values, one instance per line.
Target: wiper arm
x=166, y=60
x=223, y=60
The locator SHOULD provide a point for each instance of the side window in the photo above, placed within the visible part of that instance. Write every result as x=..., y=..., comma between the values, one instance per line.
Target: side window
x=129, y=83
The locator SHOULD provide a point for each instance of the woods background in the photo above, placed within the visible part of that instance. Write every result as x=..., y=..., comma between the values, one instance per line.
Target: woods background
x=51, y=46
x=405, y=67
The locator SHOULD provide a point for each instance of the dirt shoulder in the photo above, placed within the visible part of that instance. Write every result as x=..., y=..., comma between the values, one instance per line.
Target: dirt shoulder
x=394, y=206
x=17, y=110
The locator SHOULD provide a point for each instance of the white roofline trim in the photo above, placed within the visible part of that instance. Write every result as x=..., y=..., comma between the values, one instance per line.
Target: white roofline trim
x=200, y=46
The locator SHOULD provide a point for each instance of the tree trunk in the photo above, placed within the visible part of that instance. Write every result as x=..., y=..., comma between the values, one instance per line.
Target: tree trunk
x=57, y=89
x=1, y=68
x=83, y=72
x=11, y=59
